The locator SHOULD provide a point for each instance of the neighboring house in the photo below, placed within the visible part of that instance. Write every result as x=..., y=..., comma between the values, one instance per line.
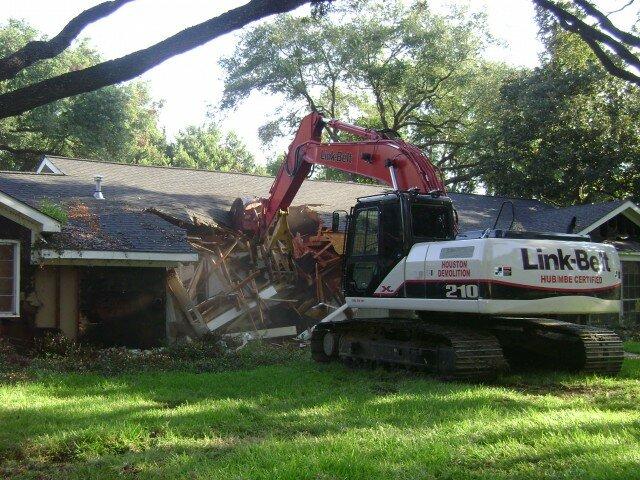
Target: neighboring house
x=106, y=263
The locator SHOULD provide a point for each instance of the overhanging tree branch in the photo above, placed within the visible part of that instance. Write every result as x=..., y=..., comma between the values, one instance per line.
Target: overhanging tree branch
x=609, y=65
x=38, y=50
x=597, y=39
x=626, y=5
x=607, y=24
x=136, y=63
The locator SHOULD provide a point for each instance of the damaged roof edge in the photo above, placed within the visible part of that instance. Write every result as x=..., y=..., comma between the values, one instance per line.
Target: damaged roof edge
x=96, y=256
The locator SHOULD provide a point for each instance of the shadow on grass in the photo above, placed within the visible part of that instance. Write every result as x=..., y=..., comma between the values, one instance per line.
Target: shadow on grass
x=170, y=424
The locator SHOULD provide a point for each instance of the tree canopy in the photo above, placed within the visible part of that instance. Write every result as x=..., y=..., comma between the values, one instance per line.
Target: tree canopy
x=395, y=67
x=206, y=147
x=565, y=132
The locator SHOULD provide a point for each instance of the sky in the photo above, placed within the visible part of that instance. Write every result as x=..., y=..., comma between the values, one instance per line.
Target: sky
x=190, y=83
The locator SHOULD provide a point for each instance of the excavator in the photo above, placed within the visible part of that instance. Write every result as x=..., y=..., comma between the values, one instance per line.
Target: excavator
x=422, y=295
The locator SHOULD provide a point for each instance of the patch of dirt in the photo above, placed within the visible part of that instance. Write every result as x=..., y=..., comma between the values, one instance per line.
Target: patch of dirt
x=80, y=211
x=384, y=388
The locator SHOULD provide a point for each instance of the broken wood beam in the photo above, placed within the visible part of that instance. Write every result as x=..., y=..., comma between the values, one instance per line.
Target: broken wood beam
x=185, y=303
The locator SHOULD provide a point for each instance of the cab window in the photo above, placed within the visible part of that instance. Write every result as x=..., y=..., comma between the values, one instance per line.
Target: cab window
x=431, y=222
x=365, y=239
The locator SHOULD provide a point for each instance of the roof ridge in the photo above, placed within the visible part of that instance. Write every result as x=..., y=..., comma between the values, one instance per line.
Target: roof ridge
x=505, y=197
x=172, y=167
x=35, y=174
x=165, y=167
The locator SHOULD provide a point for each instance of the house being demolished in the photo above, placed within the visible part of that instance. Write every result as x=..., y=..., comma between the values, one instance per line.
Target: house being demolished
x=137, y=255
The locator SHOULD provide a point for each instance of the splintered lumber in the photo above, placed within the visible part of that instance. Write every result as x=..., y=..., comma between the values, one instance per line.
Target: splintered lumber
x=234, y=313
x=195, y=280
x=295, y=265
x=185, y=303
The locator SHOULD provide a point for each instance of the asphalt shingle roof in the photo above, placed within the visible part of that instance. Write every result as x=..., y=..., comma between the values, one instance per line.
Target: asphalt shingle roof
x=558, y=219
x=131, y=189
x=108, y=225
x=179, y=191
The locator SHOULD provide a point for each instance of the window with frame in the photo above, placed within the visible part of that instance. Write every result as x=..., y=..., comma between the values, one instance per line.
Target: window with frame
x=9, y=278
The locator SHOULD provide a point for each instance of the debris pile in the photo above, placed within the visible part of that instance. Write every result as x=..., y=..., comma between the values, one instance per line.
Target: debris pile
x=276, y=286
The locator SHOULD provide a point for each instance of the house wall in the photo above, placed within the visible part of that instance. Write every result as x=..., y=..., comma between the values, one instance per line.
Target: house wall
x=618, y=227
x=57, y=293
x=20, y=326
x=631, y=291
x=123, y=306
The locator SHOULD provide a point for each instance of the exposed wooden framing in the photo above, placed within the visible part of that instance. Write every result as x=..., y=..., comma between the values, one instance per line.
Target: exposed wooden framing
x=192, y=289
x=251, y=277
x=183, y=299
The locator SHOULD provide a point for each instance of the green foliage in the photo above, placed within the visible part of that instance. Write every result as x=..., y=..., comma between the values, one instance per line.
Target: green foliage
x=303, y=420
x=632, y=347
x=385, y=65
x=565, y=132
x=114, y=123
x=54, y=210
x=206, y=148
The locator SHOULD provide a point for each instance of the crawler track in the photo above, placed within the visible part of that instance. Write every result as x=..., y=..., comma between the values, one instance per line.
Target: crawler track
x=450, y=352
x=558, y=345
x=474, y=350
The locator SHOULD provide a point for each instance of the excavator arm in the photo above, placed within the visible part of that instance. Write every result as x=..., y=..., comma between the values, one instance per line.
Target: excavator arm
x=389, y=160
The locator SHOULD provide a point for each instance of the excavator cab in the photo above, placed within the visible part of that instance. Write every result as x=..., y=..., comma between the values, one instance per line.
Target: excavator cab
x=383, y=228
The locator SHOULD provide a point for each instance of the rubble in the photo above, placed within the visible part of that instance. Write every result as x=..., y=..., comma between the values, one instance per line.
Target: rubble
x=246, y=288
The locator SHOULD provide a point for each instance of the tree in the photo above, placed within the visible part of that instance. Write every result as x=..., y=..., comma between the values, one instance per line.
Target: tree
x=206, y=148
x=91, y=78
x=566, y=132
x=87, y=79
x=117, y=122
x=388, y=66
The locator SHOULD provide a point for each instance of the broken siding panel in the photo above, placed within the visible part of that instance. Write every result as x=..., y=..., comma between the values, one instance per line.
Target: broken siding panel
x=46, y=286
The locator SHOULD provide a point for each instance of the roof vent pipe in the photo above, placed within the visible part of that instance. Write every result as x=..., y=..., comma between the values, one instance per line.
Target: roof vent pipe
x=98, y=193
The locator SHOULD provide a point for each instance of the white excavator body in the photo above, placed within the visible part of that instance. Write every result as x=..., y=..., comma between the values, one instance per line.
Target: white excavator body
x=502, y=276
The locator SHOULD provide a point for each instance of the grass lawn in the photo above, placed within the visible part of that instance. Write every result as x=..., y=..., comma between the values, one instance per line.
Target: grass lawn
x=306, y=421
x=632, y=347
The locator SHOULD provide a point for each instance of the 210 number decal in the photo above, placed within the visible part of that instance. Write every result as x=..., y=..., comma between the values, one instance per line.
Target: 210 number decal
x=461, y=291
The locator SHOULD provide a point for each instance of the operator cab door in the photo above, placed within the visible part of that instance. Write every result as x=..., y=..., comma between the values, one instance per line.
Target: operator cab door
x=375, y=244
